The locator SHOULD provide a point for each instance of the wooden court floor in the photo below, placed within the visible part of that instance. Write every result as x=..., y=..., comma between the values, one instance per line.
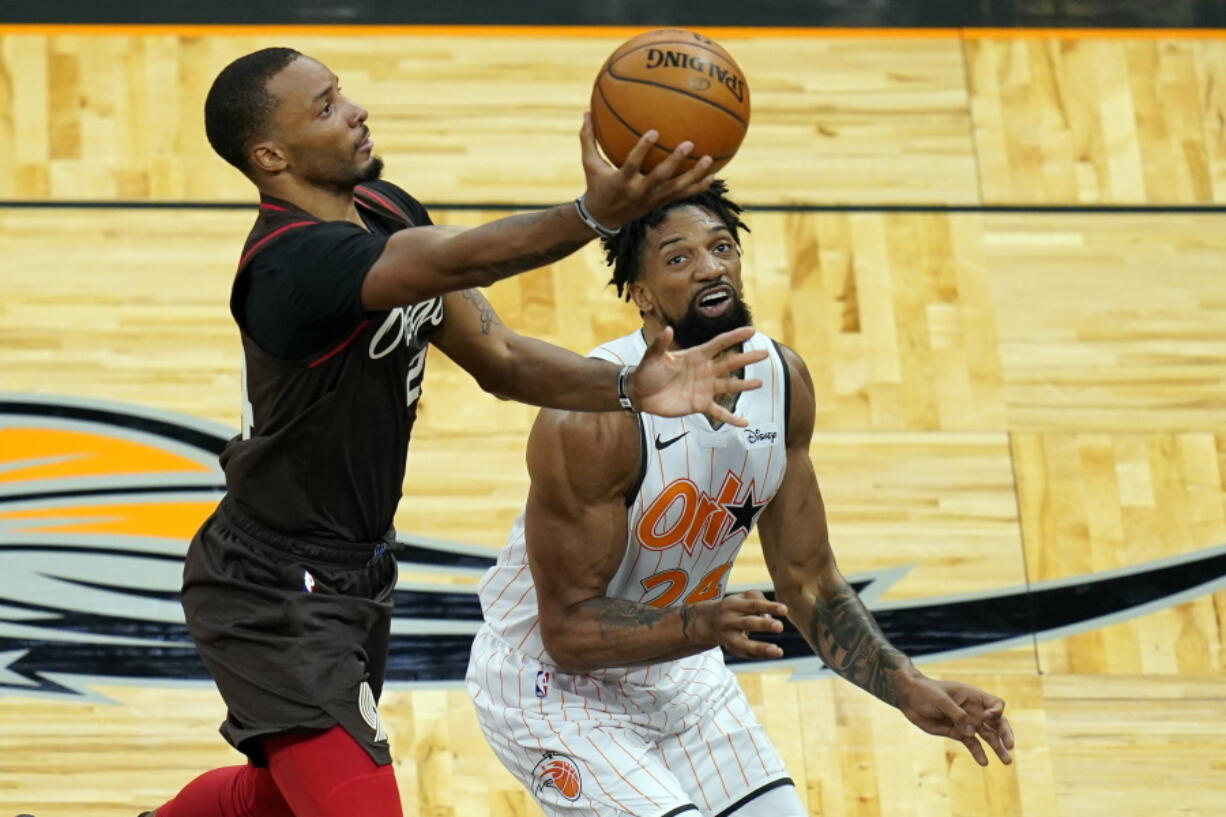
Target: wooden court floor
x=1005, y=399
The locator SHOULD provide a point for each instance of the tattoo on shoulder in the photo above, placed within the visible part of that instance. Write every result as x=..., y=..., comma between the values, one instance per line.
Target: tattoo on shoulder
x=484, y=310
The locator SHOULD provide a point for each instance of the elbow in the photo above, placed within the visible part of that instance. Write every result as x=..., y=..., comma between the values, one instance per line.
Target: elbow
x=564, y=651
x=483, y=276
x=493, y=380
x=793, y=595
x=459, y=278
x=573, y=667
x=485, y=380
x=457, y=263
x=500, y=371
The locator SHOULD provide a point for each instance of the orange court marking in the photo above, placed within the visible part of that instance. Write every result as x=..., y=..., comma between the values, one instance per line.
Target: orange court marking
x=63, y=454
x=401, y=30
x=168, y=520
x=724, y=32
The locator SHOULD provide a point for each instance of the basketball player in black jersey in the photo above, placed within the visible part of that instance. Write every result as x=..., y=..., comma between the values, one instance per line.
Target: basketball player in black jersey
x=342, y=283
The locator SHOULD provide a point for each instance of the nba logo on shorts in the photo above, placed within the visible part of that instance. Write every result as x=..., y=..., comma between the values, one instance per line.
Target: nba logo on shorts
x=542, y=684
x=308, y=581
x=558, y=772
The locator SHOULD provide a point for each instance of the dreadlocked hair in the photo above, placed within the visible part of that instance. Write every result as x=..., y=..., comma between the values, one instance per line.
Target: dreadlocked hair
x=623, y=252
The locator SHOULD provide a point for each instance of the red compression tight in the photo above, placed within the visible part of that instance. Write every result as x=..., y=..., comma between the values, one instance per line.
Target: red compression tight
x=322, y=775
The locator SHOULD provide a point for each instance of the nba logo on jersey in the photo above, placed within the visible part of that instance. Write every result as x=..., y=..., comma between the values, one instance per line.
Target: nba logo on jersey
x=542, y=684
x=308, y=581
x=558, y=772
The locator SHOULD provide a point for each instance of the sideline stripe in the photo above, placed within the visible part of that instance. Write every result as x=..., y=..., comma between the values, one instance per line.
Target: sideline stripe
x=761, y=208
x=401, y=30
x=723, y=32
x=1095, y=33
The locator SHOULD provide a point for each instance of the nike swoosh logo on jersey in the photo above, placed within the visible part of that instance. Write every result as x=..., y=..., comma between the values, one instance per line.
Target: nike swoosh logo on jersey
x=663, y=444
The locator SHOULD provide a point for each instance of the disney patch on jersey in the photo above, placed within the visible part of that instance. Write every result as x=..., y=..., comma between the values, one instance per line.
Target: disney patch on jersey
x=762, y=435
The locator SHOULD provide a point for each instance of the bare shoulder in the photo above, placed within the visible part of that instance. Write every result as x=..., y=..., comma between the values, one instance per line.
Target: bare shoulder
x=796, y=366
x=589, y=455
x=803, y=404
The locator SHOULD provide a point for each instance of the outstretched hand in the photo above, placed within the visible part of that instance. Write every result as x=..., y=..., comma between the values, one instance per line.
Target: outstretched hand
x=674, y=384
x=616, y=195
x=960, y=712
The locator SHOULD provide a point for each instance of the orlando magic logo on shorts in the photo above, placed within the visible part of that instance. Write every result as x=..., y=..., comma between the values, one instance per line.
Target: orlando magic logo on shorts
x=558, y=772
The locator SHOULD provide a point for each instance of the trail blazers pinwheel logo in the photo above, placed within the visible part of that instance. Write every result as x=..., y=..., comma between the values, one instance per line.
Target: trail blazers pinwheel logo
x=98, y=502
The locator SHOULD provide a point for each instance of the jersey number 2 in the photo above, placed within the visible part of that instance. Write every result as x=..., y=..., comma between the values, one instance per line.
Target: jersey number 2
x=675, y=582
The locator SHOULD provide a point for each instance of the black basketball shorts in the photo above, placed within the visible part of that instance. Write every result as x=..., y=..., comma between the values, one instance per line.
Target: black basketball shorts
x=295, y=634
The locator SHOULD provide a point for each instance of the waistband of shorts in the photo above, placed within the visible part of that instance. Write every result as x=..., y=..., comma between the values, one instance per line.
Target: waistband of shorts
x=346, y=555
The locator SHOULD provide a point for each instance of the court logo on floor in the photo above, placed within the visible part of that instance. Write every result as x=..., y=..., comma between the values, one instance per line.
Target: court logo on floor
x=98, y=502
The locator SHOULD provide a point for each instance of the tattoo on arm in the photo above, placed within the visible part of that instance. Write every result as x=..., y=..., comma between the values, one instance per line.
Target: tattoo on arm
x=488, y=318
x=623, y=633
x=687, y=615
x=848, y=639
x=618, y=615
x=511, y=266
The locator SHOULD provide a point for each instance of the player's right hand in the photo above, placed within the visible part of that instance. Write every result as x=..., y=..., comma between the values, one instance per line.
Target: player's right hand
x=959, y=711
x=730, y=621
x=616, y=195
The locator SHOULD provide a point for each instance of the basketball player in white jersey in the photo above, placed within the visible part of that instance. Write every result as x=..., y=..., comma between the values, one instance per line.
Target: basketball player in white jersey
x=598, y=676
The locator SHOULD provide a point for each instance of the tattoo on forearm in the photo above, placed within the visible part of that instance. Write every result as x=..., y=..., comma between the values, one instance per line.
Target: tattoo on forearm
x=850, y=642
x=617, y=615
x=616, y=619
x=687, y=615
x=623, y=633
x=484, y=310
x=511, y=266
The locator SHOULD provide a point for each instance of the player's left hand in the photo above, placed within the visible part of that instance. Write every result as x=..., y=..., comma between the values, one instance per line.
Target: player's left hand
x=674, y=384
x=960, y=712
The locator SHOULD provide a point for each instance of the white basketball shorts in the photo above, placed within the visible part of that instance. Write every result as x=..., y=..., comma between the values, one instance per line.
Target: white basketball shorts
x=651, y=741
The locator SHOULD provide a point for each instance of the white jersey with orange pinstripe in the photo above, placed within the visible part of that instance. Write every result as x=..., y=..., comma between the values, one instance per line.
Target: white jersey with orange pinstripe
x=699, y=494
x=663, y=738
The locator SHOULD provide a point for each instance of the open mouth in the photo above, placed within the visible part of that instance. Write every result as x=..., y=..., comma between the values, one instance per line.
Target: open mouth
x=715, y=301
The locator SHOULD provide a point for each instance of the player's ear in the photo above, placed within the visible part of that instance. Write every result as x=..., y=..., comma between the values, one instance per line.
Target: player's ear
x=641, y=297
x=270, y=157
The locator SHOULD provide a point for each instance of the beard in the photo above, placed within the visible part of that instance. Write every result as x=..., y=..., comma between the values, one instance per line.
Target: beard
x=372, y=172
x=695, y=329
x=344, y=179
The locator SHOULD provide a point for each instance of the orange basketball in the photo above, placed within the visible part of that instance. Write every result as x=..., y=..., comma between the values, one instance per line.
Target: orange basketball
x=681, y=84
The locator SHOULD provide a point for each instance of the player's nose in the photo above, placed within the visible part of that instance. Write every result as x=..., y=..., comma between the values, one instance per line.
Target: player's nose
x=710, y=266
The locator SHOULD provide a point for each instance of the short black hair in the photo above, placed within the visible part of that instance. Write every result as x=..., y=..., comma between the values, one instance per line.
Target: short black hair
x=623, y=251
x=238, y=107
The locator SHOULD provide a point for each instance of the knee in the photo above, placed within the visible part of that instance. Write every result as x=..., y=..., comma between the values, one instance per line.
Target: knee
x=329, y=774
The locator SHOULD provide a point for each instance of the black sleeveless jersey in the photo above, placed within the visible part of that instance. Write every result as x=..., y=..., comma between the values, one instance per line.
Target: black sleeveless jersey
x=321, y=456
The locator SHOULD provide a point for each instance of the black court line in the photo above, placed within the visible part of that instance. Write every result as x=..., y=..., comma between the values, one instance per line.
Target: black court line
x=760, y=208
x=648, y=13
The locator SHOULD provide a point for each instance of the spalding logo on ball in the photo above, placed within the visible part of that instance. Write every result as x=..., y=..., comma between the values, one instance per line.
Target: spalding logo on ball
x=680, y=83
